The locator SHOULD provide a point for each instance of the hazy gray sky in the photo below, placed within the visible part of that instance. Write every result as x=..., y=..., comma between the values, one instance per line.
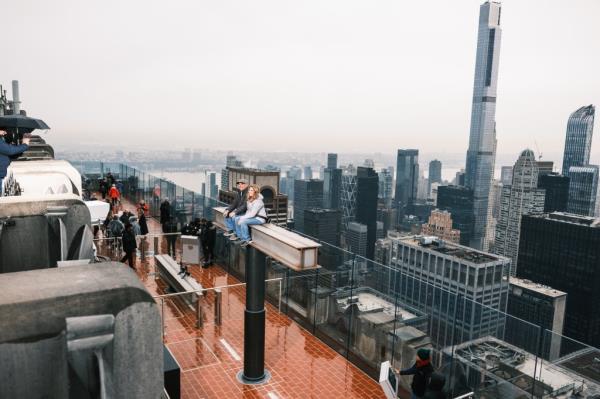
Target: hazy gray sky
x=337, y=75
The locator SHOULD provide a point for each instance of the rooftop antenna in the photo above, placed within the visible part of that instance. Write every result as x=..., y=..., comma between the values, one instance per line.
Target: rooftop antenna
x=16, y=102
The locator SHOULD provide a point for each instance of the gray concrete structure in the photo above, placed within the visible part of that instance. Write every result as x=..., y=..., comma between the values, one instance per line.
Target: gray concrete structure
x=34, y=307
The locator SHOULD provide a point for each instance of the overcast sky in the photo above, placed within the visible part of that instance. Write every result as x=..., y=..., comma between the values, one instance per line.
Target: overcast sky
x=326, y=75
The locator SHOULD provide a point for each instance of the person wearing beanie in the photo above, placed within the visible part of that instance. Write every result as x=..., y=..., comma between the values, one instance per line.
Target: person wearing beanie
x=421, y=372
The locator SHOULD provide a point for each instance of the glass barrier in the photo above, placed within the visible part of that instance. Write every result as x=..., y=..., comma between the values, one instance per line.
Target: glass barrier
x=370, y=312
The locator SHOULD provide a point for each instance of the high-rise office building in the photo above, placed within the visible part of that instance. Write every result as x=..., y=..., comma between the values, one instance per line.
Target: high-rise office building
x=433, y=268
x=583, y=190
x=522, y=197
x=308, y=174
x=440, y=225
x=367, y=189
x=323, y=224
x=386, y=179
x=356, y=238
x=563, y=251
x=292, y=174
x=540, y=305
x=435, y=173
x=545, y=167
x=459, y=202
x=578, y=141
x=211, y=184
x=481, y=154
x=332, y=160
x=506, y=175
x=407, y=180
x=348, y=199
x=332, y=185
x=308, y=194
x=383, y=250
x=557, y=192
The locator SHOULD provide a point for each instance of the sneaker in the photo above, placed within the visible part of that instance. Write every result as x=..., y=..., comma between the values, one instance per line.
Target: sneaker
x=228, y=234
x=244, y=244
x=233, y=238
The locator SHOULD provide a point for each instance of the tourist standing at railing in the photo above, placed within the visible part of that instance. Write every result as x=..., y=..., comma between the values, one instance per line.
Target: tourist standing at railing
x=114, y=195
x=129, y=245
x=255, y=214
x=6, y=152
x=237, y=207
x=143, y=206
x=208, y=237
x=143, y=229
x=421, y=372
x=435, y=389
x=170, y=230
x=165, y=214
x=103, y=187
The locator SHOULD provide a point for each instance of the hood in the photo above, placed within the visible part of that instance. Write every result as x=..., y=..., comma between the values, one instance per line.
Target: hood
x=437, y=382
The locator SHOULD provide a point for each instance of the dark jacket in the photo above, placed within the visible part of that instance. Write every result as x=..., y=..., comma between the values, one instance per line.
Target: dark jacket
x=7, y=151
x=435, y=390
x=420, y=379
x=171, y=227
x=239, y=203
x=165, y=212
x=208, y=234
x=129, y=244
x=143, y=225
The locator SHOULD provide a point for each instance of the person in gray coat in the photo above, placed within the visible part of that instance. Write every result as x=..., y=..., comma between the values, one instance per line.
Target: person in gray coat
x=255, y=214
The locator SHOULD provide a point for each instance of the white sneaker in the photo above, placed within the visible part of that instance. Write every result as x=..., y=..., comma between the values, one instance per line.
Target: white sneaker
x=233, y=237
x=228, y=234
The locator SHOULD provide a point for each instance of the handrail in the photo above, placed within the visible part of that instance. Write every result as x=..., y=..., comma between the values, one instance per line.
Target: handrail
x=209, y=289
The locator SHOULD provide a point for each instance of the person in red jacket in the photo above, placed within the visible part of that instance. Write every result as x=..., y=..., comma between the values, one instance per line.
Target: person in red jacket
x=114, y=195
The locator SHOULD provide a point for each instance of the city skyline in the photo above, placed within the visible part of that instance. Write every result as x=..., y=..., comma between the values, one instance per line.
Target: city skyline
x=315, y=92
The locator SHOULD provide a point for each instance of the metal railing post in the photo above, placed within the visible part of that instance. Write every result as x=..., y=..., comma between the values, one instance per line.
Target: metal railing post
x=218, y=304
x=199, y=311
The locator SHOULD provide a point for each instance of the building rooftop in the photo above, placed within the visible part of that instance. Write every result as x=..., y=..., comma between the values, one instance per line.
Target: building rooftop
x=537, y=287
x=443, y=247
x=570, y=218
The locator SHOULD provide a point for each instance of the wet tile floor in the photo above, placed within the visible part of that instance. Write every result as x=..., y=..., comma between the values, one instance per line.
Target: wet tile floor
x=301, y=365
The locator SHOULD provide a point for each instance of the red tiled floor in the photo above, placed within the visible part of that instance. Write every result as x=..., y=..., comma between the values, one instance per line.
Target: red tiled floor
x=301, y=365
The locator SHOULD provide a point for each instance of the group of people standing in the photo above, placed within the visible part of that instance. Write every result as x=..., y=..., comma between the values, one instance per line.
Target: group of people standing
x=247, y=209
x=111, y=188
x=130, y=229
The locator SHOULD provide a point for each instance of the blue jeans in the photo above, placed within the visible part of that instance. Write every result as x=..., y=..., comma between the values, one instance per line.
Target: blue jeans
x=242, y=230
x=230, y=223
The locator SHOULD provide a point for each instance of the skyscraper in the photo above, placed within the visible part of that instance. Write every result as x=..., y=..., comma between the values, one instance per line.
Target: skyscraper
x=407, y=180
x=440, y=225
x=563, y=251
x=578, y=142
x=583, y=189
x=332, y=184
x=308, y=194
x=522, y=197
x=385, y=185
x=308, y=172
x=435, y=173
x=356, y=238
x=459, y=202
x=332, y=161
x=557, y=192
x=323, y=224
x=506, y=175
x=367, y=188
x=481, y=155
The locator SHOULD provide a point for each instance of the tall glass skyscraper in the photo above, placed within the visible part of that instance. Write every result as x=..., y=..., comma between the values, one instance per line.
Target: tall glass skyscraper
x=583, y=189
x=407, y=179
x=579, y=138
x=482, y=140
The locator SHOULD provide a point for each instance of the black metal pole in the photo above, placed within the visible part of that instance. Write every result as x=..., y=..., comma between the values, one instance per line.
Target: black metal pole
x=254, y=320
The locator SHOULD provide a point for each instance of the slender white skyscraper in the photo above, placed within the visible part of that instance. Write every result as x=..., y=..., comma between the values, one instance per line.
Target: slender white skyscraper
x=481, y=155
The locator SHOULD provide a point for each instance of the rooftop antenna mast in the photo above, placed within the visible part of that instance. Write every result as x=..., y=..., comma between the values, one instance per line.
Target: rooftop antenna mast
x=538, y=150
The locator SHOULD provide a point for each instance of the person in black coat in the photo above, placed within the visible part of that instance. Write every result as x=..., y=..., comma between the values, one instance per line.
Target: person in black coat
x=421, y=372
x=435, y=389
x=165, y=214
x=170, y=230
x=237, y=207
x=208, y=237
x=129, y=245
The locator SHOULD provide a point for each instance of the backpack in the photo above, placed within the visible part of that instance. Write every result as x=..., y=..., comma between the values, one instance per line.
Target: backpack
x=116, y=228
